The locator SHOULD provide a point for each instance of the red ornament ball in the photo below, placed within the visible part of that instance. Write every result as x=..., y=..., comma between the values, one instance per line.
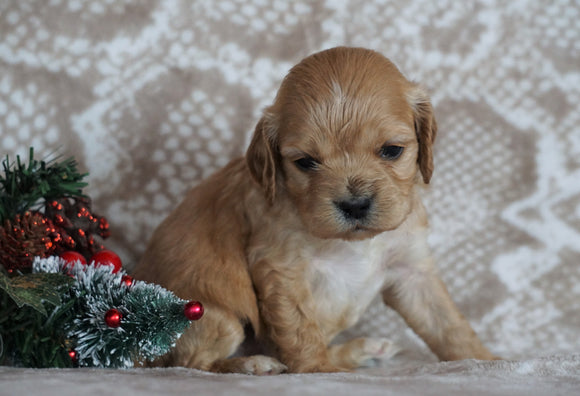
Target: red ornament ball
x=107, y=257
x=127, y=280
x=113, y=318
x=73, y=355
x=71, y=257
x=193, y=310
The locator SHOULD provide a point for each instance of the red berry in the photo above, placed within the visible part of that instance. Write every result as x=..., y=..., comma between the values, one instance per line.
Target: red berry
x=127, y=280
x=193, y=310
x=107, y=257
x=71, y=258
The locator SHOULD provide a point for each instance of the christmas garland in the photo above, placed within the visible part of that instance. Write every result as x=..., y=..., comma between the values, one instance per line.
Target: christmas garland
x=55, y=309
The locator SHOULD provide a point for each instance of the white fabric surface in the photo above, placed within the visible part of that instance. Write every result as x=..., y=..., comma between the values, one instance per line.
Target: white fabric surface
x=552, y=376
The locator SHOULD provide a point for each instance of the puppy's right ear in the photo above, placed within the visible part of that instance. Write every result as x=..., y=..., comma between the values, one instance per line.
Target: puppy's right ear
x=425, y=128
x=262, y=156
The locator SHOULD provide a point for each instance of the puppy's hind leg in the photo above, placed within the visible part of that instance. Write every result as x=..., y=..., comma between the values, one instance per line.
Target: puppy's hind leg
x=208, y=343
x=216, y=336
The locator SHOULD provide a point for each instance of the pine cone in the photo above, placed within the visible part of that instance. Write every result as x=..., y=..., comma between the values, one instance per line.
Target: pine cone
x=77, y=225
x=25, y=237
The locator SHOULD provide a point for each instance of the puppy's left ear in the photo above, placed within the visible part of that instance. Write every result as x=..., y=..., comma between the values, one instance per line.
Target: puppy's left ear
x=262, y=156
x=425, y=128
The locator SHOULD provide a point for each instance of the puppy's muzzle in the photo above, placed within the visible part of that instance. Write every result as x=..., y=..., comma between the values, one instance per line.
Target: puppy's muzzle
x=356, y=208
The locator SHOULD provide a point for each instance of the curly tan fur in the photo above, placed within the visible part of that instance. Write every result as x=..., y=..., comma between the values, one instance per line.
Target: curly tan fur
x=294, y=240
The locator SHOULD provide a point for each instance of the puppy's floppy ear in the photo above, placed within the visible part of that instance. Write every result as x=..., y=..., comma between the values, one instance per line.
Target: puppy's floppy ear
x=262, y=156
x=425, y=128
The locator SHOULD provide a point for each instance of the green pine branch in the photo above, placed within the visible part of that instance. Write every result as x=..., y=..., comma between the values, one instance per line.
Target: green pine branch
x=30, y=336
x=26, y=186
x=34, y=290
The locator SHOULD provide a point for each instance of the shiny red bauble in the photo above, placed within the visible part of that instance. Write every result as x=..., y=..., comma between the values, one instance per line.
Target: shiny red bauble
x=71, y=257
x=113, y=318
x=107, y=257
x=193, y=310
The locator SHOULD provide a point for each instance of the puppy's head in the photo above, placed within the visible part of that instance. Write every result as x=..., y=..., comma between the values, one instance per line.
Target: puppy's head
x=345, y=140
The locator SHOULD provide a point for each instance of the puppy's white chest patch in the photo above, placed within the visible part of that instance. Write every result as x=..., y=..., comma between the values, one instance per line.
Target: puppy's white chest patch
x=345, y=277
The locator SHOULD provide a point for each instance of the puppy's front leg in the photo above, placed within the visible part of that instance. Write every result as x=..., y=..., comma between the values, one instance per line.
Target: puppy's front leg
x=422, y=300
x=286, y=309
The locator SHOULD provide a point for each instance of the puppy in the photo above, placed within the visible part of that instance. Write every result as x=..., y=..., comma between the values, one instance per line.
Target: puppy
x=292, y=242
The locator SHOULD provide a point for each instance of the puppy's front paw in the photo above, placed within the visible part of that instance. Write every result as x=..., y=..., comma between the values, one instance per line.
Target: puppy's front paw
x=362, y=351
x=378, y=348
x=262, y=365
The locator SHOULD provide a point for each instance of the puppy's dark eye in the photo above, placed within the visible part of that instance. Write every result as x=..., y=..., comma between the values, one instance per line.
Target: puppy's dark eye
x=306, y=163
x=391, y=153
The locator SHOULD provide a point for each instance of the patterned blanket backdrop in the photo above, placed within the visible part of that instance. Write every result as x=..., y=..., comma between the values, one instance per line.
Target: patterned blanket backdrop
x=152, y=96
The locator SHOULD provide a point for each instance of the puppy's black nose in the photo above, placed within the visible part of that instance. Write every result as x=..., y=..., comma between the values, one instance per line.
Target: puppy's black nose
x=355, y=208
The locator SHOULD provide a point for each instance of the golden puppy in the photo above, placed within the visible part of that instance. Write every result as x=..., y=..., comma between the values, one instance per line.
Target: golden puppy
x=292, y=242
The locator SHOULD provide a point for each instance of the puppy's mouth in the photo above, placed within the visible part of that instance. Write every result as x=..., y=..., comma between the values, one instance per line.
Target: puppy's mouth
x=349, y=230
x=359, y=231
